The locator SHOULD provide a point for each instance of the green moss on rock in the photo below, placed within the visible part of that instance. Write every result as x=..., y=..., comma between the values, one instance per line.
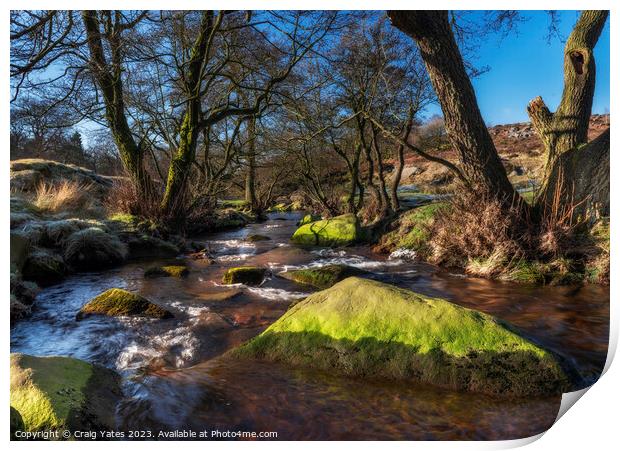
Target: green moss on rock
x=256, y=237
x=338, y=231
x=307, y=219
x=119, y=302
x=58, y=393
x=166, y=271
x=248, y=275
x=367, y=328
x=321, y=277
x=413, y=231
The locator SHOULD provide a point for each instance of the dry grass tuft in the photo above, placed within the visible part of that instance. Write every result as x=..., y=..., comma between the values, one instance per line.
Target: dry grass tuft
x=63, y=196
x=476, y=233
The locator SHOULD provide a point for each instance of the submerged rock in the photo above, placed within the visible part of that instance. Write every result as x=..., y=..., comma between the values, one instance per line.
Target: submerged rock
x=166, y=271
x=338, y=231
x=321, y=277
x=248, y=275
x=62, y=393
x=119, y=302
x=219, y=296
x=254, y=238
x=366, y=328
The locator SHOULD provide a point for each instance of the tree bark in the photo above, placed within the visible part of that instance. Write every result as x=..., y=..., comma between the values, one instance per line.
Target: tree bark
x=108, y=77
x=582, y=176
x=465, y=127
x=567, y=128
x=398, y=170
x=182, y=160
x=250, y=177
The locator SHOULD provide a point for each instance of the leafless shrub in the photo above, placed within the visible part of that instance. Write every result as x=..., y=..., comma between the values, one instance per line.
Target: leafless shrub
x=560, y=222
x=476, y=227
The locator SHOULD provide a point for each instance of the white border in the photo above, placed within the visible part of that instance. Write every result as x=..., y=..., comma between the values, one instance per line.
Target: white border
x=593, y=424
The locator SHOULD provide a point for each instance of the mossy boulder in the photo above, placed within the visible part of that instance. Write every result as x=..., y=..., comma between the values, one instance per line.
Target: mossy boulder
x=254, y=238
x=362, y=327
x=248, y=275
x=413, y=230
x=307, y=219
x=166, y=271
x=44, y=267
x=61, y=393
x=338, y=231
x=94, y=248
x=230, y=218
x=119, y=302
x=321, y=277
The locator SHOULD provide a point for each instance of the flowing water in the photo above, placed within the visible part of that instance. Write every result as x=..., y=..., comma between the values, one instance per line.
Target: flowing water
x=174, y=379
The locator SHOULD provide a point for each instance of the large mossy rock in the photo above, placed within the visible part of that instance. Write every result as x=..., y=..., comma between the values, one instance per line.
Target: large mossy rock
x=58, y=393
x=362, y=327
x=248, y=275
x=321, y=277
x=119, y=302
x=338, y=231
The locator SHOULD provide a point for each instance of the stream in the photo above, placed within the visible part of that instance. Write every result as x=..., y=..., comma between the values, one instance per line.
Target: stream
x=175, y=379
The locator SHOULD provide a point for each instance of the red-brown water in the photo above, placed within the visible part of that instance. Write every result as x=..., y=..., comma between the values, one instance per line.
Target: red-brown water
x=174, y=378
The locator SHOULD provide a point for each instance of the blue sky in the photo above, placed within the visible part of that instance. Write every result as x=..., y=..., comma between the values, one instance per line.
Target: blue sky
x=524, y=65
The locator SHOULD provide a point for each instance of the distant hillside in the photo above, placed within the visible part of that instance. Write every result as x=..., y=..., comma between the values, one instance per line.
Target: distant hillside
x=518, y=145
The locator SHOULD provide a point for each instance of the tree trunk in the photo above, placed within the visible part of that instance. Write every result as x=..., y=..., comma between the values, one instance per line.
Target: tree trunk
x=465, y=127
x=567, y=128
x=582, y=176
x=386, y=206
x=250, y=177
x=109, y=79
x=398, y=170
x=182, y=160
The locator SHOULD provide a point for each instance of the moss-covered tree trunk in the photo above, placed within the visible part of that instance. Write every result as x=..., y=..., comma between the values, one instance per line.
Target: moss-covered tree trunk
x=250, y=176
x=108, y=76
x=567, y=129
x=173, y=201
x=465, y=127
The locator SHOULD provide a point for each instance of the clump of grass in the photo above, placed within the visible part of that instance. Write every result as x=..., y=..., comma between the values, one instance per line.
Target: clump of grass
x=477, y=232
x=63, y=196
x=93, y=248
